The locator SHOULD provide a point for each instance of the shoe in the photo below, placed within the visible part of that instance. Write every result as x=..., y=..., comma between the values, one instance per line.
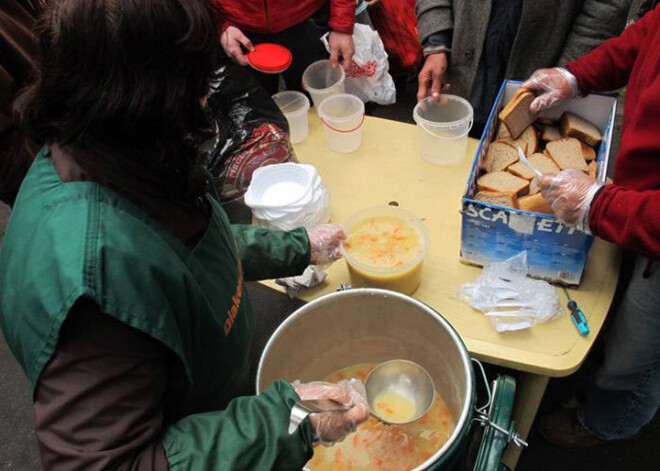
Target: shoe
x=562, y=428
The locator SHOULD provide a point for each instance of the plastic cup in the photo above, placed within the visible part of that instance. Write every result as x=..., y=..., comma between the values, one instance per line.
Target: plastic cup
x=443, y=129
x=342, y=116
x=322, y=80
x=294, y=106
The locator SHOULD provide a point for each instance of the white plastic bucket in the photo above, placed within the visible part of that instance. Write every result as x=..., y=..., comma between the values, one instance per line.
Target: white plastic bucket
x=294, y=107
x=443, y=129
x=342, y=116
x=322, y=80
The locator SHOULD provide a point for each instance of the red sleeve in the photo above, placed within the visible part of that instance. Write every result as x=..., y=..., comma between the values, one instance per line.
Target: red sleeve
x=628, y=218
x=609, y=65
x=99, y=403
x=342, y=15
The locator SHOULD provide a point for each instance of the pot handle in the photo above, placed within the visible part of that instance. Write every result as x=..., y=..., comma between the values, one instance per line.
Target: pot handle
x=483, y=413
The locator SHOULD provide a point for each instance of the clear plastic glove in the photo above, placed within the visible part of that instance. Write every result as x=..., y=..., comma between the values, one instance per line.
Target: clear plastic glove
x=324, y=242
x=431, y=76
x=342, y=49
x=552, y=86
x=570, y=193
x=233, y=41
x=332, y=427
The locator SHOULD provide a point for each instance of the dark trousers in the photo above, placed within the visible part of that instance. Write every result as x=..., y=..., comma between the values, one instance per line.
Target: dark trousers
x=304, y=42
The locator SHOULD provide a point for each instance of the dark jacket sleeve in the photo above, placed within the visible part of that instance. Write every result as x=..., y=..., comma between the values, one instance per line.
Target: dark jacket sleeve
x=101, y=403
x=598, y=21
x=608, y=67
x=267, y=254
x=18, y=49
x=342, y=15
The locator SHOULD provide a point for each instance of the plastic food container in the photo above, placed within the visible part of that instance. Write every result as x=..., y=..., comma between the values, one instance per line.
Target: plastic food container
x=294, y=107
x=322, y=80
x=443, y=129
x=342, y=116
x=404, y=278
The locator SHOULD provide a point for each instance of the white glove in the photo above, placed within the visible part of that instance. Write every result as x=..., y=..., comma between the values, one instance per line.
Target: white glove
x=324, y=241
x=552, y=86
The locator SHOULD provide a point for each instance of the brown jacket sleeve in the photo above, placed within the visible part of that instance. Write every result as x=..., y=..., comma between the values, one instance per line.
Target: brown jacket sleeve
x=18, y=49
x=100, y=401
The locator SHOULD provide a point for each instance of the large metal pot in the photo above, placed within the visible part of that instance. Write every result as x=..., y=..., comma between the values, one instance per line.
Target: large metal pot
x=372, y=326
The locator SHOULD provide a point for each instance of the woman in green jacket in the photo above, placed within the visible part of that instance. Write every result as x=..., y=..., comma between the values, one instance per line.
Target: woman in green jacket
x=121, y=280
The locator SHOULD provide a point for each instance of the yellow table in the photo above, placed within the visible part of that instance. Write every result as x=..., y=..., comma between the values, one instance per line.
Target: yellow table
x=388, y=168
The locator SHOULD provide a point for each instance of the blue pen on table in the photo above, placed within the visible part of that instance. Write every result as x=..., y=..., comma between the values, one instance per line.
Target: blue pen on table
x=577, y=315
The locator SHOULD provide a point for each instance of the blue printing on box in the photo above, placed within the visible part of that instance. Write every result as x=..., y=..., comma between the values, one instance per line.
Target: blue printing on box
x=556, y=252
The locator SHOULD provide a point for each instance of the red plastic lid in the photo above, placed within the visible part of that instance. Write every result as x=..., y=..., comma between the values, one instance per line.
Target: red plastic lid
x=270, y=58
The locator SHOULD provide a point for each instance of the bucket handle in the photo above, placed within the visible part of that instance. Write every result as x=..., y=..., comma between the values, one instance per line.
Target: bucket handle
x=482, y=413
x=421, y=125
x=344, y=132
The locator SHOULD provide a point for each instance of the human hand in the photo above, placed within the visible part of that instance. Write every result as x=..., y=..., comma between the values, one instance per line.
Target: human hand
x=431, y=75
x=570, y=193
x=551, y=86
x=331, y=427
x=341, y=46
x=324, y=241
x=231, y=40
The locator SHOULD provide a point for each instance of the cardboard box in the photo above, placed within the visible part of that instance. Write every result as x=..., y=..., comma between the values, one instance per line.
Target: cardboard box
x=556, y=252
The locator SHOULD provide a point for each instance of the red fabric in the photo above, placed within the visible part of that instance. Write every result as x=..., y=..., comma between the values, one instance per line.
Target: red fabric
x=273, y=16
x=396, y=23
x=628, y=212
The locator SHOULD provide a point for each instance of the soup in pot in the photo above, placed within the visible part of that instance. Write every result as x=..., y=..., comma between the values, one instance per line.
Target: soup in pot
x=377, y=446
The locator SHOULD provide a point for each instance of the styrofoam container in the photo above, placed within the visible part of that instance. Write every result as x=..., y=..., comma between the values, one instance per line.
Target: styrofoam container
x=443, y=129
x=342, y=116
x=322, y=80
x=555, y=252
x=295, y=107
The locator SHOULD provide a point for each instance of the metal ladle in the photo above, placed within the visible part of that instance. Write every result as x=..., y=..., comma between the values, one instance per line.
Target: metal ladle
x=402, y=377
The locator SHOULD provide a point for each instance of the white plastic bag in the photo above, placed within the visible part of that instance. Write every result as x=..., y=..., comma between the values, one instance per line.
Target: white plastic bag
x=509, y=298
x=368, y=77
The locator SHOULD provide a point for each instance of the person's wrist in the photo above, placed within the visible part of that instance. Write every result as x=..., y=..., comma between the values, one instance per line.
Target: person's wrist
x=435, y=50
x=590, y=197
x=572, y=80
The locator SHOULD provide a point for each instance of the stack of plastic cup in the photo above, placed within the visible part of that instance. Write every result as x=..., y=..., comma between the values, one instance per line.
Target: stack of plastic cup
x=286, y=196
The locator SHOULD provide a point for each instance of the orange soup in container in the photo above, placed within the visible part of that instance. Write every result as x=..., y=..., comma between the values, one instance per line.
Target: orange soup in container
x=386, y=248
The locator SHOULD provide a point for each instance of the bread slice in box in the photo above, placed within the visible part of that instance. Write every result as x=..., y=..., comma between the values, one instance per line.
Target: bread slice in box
x=532, y=139
x=503, y=132
x=573, y=125
x=516, y=115
x=540, y=162
x=502, y=182
x=499, y=156
x=515, y=143
x=588, y=152
x=500, y=199
x=547, y=121
x=551, y=133
x=535, y=203
x=567, y=153
x=593, y=168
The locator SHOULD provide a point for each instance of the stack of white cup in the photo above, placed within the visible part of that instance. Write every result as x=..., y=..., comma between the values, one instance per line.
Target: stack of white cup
x=285, y=196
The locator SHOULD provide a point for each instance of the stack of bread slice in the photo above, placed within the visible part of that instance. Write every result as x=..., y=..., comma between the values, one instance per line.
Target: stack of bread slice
x=550, y=147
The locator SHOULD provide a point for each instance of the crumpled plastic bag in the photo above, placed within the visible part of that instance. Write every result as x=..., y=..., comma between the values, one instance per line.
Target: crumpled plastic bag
x=510, y=299
x=245, y=131
x=368, y=78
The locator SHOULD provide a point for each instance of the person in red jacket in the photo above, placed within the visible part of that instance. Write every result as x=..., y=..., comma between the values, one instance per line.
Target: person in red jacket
x=624, y=395
x=297, y=25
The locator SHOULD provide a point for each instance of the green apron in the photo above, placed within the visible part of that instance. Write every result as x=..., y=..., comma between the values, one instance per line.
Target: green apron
x=68, y=240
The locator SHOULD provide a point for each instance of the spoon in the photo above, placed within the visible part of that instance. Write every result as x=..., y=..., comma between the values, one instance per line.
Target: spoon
x=526, y=163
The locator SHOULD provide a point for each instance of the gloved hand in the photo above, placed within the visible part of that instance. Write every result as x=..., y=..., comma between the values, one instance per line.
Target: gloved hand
x=324, y=241
x=570, y=193
x=332, y=427
x=551, y=86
